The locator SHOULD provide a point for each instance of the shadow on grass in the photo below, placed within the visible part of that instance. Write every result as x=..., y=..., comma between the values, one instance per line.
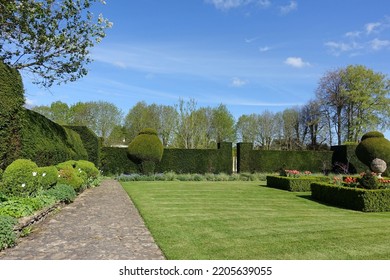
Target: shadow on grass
x=310, y=198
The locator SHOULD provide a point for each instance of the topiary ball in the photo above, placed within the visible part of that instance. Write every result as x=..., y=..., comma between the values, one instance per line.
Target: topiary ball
x=47, y=176
x=373, y=145
x=20, y=178
x=146, y=149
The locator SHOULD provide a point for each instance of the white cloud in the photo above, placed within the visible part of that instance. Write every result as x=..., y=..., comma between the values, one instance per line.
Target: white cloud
x=370, y=27
x=264, y=49
x=353, y=34
x=296, y=62
x=231, y=4
x=284, y=10
x=377, y=44
x=237, y=82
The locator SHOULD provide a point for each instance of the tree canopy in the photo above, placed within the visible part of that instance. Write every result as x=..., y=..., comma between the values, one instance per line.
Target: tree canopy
x=51, y=39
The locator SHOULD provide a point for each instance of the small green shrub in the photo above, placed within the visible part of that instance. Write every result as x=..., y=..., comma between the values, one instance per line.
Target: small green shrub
x=368, y=181
x=69, y=163
x=18, y=207
x=69, y=176
x=7, y=234
x=88, y=167
x=48, y=176
x=62, y=192
x=20, y=178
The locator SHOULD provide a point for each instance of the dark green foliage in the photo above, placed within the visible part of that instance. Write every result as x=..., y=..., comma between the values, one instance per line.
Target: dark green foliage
x=7, y=234
x=352, y=198
x=301, y=184
x=198, y=160
x=116, y=161
x=146, y=150
x=272, y=161
x=11, y=114
x=344, y=160
x=62, y=192
x=47, y=176
x=48, y=143
x=20, y=178
x=91, y=142
x=374, y=145
x=368, y=181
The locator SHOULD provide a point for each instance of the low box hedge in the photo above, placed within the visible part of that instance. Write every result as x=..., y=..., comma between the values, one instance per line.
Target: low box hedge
x=352, y=198
x=300, y=184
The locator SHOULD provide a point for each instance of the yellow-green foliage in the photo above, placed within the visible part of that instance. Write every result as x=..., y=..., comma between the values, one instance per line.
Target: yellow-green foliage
x=69, y=176
x=88, y=167
x=47, y=176
x=20, y=178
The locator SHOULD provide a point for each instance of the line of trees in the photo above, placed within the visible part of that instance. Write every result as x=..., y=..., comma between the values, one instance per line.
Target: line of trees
x=348, y=102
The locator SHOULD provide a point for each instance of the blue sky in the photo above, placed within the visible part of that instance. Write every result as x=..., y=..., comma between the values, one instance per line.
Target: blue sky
x=251, y=55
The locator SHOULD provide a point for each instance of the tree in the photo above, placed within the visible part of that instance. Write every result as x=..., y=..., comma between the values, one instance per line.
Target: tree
x=222, y=124
x=51, y=39
x=355, y=100
x=246, y=128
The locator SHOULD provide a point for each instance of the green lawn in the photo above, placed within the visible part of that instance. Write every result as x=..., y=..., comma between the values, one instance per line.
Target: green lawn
x=246, y=220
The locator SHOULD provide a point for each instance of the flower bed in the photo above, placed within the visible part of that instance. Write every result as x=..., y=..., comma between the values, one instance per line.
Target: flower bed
x=377, y=200
x=294, y=184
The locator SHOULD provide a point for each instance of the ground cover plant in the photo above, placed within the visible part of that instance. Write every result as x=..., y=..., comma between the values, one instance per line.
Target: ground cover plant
x=246, y=220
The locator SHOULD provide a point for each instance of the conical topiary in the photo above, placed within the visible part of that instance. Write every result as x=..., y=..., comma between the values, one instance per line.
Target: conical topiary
x=146, y=150
x=373, y=145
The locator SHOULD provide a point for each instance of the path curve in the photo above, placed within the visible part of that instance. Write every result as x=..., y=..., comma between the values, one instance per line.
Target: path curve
x=101, y=224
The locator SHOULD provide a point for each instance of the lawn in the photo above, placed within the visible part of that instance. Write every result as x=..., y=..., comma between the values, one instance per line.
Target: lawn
x=247, y=220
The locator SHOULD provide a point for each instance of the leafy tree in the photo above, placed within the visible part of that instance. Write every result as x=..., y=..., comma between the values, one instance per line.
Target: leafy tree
x=246, y=128
x=222, y=124
x=58, y=112
x=51, y=39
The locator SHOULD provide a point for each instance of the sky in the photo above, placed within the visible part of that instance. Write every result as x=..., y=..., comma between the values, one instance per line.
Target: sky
x=250, y=55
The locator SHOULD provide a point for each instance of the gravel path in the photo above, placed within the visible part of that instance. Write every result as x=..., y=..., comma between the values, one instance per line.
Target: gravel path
x=101, y=224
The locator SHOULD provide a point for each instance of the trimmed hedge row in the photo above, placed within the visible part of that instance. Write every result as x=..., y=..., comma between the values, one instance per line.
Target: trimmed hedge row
x=271, y=161
x=301, y=184
x=92, y=143
x=48, y=143
x=11, y=114
x=352, y=198
x=116, y=160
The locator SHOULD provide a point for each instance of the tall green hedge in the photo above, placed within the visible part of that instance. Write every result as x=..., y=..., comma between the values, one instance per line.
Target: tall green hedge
x=48, y=143
x=11, y=114
x=91, y=141
x=116, y=161
x=250, y=160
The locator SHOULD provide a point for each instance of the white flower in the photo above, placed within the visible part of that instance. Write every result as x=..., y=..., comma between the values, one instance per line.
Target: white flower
x=23, y=185
x=34, y=174
x=44, y=174
x=59, y=176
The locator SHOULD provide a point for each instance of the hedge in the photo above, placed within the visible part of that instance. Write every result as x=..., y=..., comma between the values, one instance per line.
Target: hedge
x=352, y=198
x=11, y=114
x=301, y=184
x=270, y=161
x=92, y=143
x=116, y=161
x=48, y=143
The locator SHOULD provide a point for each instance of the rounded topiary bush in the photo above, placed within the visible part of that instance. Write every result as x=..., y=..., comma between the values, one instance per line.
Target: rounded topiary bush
x=47, y=176
x=373, y=145
x=146, y=150
x=20, y=178
x=69, y=176
x=88, y=167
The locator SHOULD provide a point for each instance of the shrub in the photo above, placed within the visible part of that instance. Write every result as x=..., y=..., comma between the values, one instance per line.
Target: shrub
x=20, y=178
x=24, y=206
x=292, y=184
x=373, y=145
x=88, y=167
x=7, y=234
x=352, y=198
x=146, y=150
x=48, y=176
x=368, y=181
x=69, y=176
x=62, y=192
